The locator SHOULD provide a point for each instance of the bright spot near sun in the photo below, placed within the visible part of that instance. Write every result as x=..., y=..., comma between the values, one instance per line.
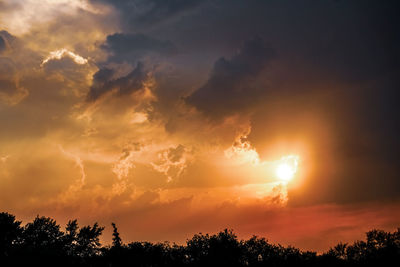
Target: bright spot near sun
x=287, y=168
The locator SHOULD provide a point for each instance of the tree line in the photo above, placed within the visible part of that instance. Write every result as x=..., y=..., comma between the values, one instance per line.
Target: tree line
x=42, y=242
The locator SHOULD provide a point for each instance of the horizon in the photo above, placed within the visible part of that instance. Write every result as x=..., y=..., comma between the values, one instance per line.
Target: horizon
x=269, y=234
x=125, y=243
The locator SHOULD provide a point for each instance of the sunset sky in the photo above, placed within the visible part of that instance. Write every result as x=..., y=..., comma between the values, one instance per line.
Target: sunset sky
x=174, y=117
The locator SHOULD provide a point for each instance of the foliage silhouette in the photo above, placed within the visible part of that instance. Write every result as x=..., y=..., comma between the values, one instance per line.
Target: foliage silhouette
x=43, y=243
x=117, y=242
x=10, y=231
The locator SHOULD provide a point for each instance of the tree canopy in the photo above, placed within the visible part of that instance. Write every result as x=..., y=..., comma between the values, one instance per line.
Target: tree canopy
x=42, y=242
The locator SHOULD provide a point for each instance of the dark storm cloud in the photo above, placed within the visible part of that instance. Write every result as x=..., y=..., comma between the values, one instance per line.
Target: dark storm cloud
x=230, y=87
x=156, y=11
x=138, y=14
x=103, y=82
x=350, y=39
x=130, y=47
x=354, y=40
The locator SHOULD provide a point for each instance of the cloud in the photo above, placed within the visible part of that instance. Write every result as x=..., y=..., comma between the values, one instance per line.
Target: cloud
x=126, y=161
x=156, y=11
x=79, y=163
x=242, y=151
x=103, y=82
x=172, y=162
x=7, y=87
x=73, y=70
x=230, y=88
x=6, y=41
x=139, y=14
x=59, y=54
x=21, y=16
x=11, y=92
x=131, y=47
x=3, y=159
x=3, y=45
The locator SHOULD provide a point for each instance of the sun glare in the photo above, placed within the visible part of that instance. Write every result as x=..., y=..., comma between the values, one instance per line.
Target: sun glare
x=287, y=168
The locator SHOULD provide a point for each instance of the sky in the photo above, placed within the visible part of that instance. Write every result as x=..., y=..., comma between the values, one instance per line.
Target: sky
x=174, y=117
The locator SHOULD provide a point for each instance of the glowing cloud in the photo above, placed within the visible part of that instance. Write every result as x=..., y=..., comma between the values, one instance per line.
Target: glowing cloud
x=172, y=162
x=21, y=16
x=242, y=150
x=124, y=164
x=138, y=117
x=58, y=54
x=79, y=163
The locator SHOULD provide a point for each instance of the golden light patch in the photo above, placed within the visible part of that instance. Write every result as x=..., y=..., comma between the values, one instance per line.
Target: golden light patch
x=287, y=168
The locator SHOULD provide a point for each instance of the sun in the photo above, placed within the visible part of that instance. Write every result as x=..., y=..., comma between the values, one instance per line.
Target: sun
x=287, y=168
x=284, y=172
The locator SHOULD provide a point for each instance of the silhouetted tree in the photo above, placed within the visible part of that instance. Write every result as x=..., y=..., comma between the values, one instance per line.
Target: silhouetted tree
x=10, y=233
x=116, y=241
x=41, y=242
x=88, y=240
x=216, y=250
x=259, y=252
x=71, y=237
x=335, y=256
x=382, y=247
x=43, y=232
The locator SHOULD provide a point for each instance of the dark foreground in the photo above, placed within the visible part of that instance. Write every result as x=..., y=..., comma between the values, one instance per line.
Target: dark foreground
x=42, y=243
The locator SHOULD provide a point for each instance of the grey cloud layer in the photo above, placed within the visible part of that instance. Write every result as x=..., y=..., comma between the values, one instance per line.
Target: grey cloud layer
x=103, y=82
x=130, y=47
x=139, y=14
x=230, y=88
